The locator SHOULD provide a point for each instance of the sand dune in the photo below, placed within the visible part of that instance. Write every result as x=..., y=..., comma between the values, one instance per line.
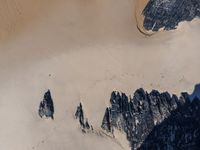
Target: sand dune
x=90, y=48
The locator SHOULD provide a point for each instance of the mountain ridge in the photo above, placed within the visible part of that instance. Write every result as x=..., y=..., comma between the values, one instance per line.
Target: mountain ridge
x=137, y=116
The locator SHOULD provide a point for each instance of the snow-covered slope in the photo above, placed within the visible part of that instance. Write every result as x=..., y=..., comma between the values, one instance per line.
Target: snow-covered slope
x=82, y=51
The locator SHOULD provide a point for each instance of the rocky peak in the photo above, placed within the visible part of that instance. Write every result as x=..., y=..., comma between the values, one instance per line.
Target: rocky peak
x=139, y=115
x=46, y=107
x=84, y=123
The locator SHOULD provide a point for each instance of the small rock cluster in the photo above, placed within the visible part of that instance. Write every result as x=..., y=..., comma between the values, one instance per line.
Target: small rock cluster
x=82, y=120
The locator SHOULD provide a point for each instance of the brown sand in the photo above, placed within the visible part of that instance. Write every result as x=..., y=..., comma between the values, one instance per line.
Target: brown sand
x=90, y=48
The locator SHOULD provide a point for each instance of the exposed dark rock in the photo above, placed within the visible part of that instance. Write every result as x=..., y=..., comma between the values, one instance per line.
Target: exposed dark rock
x=87, y=125
x=83, y=122
x=46, y=107
x=168, y=13
x=180, y=131
x=139, y=115
x=80, y=115
x=106, y=125
x=196, y=92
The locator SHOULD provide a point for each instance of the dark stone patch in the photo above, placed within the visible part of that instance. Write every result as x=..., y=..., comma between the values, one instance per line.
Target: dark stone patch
x=84, y=123
x=168, y=13
x=46, y=107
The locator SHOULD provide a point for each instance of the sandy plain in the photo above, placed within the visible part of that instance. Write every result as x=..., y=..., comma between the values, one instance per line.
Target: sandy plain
x=82, y=50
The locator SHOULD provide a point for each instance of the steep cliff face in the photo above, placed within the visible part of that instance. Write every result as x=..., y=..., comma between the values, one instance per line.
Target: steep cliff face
x=168, y=13
x=137, y=116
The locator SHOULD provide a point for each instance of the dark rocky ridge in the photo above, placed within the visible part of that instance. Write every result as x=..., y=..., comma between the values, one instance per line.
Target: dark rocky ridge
x=138, y=116
x=180, y=131
x=168, y=13
x=46, y=107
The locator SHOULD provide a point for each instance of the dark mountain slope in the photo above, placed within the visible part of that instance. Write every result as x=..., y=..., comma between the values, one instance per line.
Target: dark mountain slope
x=138, y=116
x=180, y=131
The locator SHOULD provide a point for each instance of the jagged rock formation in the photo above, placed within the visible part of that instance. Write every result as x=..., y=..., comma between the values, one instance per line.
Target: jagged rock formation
x=46, y=107
x=138, y=115
x=180, y=131
x=168, y=13
x=82, y=120
x=196, y=92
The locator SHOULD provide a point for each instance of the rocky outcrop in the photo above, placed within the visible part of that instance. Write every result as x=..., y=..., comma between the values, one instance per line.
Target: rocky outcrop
x=180, y=131
x=137, y=116
x=196, y=92
x=46, y=107
x=82, y=120
x=167, y=14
